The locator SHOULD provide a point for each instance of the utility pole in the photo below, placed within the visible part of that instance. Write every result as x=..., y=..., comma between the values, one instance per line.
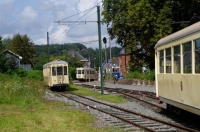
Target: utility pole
x=48, y=45
x=89, y=68
x=100, y=48
x=110, y=60
x=105, y=54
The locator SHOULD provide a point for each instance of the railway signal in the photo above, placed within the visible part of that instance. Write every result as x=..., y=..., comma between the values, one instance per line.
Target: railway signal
x=104, y=40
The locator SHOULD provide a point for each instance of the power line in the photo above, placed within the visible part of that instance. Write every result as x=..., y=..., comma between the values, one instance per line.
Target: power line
x=74, y=22
x=73, y=15
x=79, y=12
x=78, y=19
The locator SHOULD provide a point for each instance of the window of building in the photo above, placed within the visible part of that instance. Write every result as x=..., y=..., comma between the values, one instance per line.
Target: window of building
x=197, y=56
x=168, y=60
x=177, y=59
x=187, y=57
x=161, y=61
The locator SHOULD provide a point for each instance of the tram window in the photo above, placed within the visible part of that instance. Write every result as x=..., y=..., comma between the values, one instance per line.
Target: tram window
x=82, y=71
x=168, y=60
x=161, y=53
x=177, y=59
x=59, y=70
x=187, y=57
x=53, y=71
x=197, y=56
x=79, y=71
x=65, y=70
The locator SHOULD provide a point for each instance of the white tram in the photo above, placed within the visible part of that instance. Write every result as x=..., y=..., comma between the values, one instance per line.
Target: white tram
x=56, y=75
x=86, y=74
x=177, y=65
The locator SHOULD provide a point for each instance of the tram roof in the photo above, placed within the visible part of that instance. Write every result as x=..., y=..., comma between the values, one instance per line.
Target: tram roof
x=55, y=62
x=181, y=33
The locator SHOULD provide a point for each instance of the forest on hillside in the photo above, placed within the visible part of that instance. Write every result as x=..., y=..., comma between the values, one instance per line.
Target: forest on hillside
x=60, y=51
x=38, y=55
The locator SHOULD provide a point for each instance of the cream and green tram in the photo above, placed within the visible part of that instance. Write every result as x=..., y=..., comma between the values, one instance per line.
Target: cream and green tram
x=177, y=66
x=56, y=74
x=86, y=74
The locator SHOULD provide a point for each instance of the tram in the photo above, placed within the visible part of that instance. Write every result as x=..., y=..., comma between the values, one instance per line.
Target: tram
x=177, y=67
x=86, y=74
x=56, y=74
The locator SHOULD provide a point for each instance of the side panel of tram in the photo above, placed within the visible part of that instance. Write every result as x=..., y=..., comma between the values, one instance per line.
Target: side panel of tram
x=56, y=74
x=85, y=74
x=177, y=60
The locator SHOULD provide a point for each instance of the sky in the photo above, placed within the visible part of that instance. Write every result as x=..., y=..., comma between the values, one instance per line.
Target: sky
x=37, y=17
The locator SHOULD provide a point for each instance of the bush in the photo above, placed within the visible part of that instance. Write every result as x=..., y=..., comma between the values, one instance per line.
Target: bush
x=21, y=72
x=19, y=91
x=35, y=75
x=135, y=74
x=72, y=74
x=147, y=76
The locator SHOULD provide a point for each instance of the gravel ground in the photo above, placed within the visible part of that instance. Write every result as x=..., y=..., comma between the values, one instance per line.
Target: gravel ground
x=101, y=117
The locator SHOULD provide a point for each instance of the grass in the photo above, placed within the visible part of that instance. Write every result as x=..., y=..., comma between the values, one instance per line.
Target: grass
x=55, y=117
x=95, y=94
x=23, y=108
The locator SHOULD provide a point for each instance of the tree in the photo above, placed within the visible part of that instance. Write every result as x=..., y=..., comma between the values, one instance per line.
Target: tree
x=6, y=42
x=23, y=46
x=134, y=22
x=143, y=23
x=7, y=65
x=1, y=44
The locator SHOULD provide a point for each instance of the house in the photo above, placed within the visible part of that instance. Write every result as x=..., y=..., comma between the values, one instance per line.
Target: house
x=10, y=54
x=124, y=66
x=79, y=57
x=119, y=64
x=18, y=59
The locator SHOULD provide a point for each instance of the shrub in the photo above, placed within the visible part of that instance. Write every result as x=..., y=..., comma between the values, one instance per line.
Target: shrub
x=21, y=72
x=35, y=75
x=147, y=76
x=72, y=72
x=19, y=91
x=152, y=75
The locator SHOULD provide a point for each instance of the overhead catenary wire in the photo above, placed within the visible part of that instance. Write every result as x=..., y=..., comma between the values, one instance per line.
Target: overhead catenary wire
x=73, y=23
x=74, y=15
x=84, y=22
x=78, y=19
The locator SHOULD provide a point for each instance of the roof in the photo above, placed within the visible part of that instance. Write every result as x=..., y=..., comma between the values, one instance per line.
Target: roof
x=6, y=50
x=55, y=62
x=179, y=34
x=122, y=52
x=77, y=55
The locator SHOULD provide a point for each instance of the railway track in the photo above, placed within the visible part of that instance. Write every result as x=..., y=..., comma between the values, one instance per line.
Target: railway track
x=127, y=119
x=148, y=98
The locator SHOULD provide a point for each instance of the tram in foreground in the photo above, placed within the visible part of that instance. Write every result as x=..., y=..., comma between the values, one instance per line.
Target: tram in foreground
x=177, y=66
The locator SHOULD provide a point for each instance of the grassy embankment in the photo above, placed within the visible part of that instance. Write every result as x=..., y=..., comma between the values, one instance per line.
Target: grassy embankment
x=24, y=108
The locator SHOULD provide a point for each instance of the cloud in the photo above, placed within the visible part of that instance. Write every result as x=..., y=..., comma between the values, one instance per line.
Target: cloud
x=28, y=15
x=36, y=18
x=4, y=2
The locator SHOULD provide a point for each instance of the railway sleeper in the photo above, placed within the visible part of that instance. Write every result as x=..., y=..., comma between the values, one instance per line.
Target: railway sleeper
x=163, y=129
